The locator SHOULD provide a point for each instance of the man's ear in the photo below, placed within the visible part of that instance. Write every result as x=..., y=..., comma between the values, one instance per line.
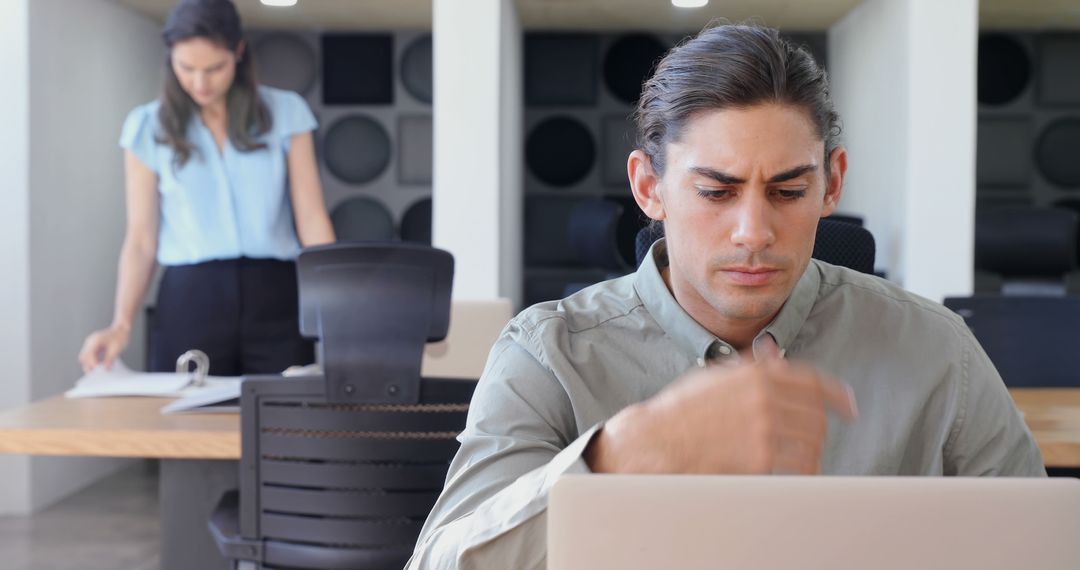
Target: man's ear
x=645, y=184
x=834, y=183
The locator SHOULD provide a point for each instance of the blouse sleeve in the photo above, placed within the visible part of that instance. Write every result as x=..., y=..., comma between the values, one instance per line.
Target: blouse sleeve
x=294, y=117
x=137, y=135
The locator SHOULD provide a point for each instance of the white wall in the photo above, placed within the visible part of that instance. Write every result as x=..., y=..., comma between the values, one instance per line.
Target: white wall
x=478, y=159
x=88, y=63
x=903, y=79
x=15, y=238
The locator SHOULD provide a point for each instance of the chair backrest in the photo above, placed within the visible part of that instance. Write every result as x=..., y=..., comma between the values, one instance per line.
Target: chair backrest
x=1031, y=248
x=592, y=232
x=845, y=244
x=646, y=236
x=839, y=242
x=343, y=485
x=1030, y=340
x=341, y=470
x=374, y=306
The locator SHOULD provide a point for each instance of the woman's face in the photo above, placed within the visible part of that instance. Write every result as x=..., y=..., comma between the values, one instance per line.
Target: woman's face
x=205, y=69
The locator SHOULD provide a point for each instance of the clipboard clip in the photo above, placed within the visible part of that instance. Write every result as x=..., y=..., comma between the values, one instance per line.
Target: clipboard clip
x=202, y=366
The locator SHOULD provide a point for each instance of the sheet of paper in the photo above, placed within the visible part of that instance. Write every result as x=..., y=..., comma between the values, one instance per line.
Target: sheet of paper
x=219, y=395
x=123, y=381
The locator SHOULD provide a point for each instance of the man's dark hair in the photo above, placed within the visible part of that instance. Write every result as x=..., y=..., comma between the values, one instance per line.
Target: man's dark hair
x=731, y=67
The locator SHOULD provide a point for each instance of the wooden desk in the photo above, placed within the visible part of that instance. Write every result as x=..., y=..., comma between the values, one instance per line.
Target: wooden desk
x=117, y=427
x=1053, y=416
x=134, y=427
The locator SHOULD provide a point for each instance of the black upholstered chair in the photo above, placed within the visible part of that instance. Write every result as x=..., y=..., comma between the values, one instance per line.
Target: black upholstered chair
x=1030, y=339
x=592, y=233
x=1031, y=249
x=846, y=244
x=1029, y=326
x=646, y=236
x=341, y=470
x=838, y=242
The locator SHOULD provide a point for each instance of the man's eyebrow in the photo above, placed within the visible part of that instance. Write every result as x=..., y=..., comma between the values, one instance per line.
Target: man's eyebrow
x=793, y=173
x=721, y=177
x=725, y=178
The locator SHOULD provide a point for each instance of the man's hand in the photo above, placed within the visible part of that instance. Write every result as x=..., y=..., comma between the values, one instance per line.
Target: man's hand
x=763, y=417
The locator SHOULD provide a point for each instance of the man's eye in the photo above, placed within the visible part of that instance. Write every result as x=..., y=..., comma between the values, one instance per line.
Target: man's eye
x=713, y=194
x=790, y=194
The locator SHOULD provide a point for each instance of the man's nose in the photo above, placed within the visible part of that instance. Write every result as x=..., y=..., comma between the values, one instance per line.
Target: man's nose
x=753, y=225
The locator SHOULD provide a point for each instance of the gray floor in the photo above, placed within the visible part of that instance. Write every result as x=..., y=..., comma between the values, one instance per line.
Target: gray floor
x=111, y=525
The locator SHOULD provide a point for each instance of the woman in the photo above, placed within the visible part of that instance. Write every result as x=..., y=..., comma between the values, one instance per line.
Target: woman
x=207, y=167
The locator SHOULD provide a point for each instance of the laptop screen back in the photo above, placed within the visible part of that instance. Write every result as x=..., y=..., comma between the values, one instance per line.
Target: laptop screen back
x=838, y=523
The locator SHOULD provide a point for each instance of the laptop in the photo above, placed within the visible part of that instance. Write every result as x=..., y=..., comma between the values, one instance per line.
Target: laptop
x=836, y=523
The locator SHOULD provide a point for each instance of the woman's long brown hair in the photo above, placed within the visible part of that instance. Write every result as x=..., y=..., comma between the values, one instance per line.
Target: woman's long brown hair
x=248, y=116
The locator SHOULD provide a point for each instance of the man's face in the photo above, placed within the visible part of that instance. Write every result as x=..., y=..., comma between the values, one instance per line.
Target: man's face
x=740, y=198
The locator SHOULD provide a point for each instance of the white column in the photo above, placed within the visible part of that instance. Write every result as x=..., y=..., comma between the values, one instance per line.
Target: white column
x=15, y=238
x=477, y=187
x=939, y=239
x=903, y=79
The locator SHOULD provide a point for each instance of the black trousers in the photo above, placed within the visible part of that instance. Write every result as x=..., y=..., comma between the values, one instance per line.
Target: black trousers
x=243, y=313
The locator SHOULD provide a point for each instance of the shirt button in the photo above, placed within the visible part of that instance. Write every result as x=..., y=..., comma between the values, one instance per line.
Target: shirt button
x=723, y=349
x=701, y=362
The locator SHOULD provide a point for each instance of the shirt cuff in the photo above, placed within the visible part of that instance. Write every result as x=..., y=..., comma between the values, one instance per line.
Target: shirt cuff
x=527, y=496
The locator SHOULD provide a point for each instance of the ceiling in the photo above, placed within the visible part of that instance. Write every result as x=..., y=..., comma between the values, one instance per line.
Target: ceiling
x=657, y=15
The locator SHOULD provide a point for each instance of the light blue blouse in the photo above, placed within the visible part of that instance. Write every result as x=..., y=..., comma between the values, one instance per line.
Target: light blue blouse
x=223, y=204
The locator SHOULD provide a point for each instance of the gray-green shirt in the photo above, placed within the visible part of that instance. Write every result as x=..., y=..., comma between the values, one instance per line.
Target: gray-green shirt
x=930, y=401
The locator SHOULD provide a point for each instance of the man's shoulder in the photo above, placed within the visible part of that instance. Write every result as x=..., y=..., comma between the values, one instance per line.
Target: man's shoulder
x=591, y=309
x=883, y=297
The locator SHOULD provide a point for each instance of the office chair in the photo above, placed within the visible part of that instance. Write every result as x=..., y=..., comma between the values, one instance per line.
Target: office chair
x=838, y=242
x=341, y=470
x=847, y=218
x=646, y=236
x=1031, y=249
x=1031, y=340
x=592, y=233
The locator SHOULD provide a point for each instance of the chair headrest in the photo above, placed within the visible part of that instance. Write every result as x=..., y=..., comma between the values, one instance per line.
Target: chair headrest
x=838, y=242
x=1026, y=241
x=845, y=244
x=374, y=306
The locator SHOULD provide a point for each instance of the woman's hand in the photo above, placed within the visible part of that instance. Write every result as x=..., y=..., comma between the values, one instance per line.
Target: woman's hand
x=103, y=346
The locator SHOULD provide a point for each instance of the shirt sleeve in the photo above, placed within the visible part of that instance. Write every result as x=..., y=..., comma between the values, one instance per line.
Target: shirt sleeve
x=293, y=116
x=137, y=135
x=989, y=435
x=519, y=438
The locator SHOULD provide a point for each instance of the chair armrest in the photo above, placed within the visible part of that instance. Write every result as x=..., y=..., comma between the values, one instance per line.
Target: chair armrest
x=224, y=526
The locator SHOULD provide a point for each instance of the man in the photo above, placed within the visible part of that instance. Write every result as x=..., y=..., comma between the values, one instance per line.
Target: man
x=729, y=350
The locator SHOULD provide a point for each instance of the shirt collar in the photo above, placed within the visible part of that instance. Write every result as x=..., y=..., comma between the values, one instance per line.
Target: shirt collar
x=665, y=310
x=688, y=333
